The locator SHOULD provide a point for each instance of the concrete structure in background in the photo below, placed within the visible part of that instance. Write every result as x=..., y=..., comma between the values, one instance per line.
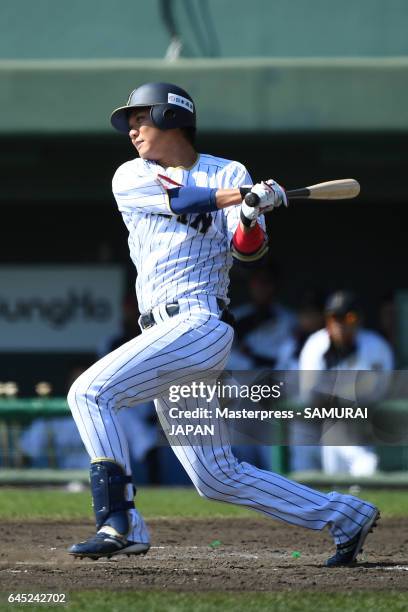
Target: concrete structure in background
x=233, y=95
x=89, y=29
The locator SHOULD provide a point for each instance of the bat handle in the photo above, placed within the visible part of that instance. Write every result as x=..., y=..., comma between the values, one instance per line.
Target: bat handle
x=251, y=199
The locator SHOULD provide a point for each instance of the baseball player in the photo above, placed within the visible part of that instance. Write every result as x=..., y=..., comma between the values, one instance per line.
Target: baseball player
x=186, y=220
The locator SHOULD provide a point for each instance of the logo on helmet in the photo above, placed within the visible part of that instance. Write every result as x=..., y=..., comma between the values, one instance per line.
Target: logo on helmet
x=180, y=101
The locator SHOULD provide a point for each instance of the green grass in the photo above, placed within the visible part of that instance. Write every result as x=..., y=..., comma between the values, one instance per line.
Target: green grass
x=97, y=601
x=24, y=503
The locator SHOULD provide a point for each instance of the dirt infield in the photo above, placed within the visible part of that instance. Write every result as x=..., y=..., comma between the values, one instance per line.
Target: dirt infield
x=253, y=555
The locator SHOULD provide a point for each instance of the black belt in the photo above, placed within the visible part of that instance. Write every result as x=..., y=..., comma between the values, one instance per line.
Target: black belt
x=147, y=320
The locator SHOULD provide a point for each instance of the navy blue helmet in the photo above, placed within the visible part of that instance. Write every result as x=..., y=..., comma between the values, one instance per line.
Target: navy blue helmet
x=171, y=107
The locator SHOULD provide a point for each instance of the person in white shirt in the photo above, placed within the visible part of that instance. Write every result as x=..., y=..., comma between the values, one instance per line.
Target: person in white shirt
x=343, y=345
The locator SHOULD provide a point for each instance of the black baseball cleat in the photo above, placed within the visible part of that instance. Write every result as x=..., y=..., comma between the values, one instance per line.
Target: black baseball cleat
x=346, y=554
x=106, y=545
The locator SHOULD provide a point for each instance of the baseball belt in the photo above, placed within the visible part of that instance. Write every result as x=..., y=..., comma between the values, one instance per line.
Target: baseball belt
x=147, y=320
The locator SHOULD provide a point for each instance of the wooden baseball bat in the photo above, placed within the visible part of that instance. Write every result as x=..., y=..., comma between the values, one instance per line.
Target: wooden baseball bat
x=342, y=189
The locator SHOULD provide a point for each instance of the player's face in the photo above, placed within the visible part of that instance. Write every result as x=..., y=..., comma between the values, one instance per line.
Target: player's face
x=147, y=139
x=342, y=329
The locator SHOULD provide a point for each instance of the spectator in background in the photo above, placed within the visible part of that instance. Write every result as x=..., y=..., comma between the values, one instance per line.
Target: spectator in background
x=55, y=442
x=263, y=324
x=309, y=319
x=343, y=345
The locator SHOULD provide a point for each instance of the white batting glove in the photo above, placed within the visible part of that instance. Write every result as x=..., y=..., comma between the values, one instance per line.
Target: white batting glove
x=271, y=195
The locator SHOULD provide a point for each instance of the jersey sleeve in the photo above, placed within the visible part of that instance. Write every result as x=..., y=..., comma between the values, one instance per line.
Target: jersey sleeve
x=137, y=190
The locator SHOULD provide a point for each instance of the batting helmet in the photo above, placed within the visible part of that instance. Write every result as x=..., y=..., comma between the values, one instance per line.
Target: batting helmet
x=171, y=107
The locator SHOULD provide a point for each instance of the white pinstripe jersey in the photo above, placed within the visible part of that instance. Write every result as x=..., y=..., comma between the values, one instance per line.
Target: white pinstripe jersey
x=177, y=256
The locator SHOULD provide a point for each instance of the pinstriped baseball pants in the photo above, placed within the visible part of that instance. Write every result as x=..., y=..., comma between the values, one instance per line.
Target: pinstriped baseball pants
x=194, y=341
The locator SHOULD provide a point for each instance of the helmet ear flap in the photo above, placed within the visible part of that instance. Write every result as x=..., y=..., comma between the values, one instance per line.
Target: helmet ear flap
x=164, y=116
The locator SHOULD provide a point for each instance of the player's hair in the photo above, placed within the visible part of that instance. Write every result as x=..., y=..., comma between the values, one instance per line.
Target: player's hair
x=189, y=134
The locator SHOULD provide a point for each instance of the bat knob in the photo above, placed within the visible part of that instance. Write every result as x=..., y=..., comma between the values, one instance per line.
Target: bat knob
x=251, y=199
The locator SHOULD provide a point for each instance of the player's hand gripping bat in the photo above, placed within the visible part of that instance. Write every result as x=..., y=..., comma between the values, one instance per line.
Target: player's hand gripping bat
x=342, y=189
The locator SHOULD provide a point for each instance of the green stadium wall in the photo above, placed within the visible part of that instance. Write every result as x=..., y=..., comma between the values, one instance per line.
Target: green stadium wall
x=50, y=29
